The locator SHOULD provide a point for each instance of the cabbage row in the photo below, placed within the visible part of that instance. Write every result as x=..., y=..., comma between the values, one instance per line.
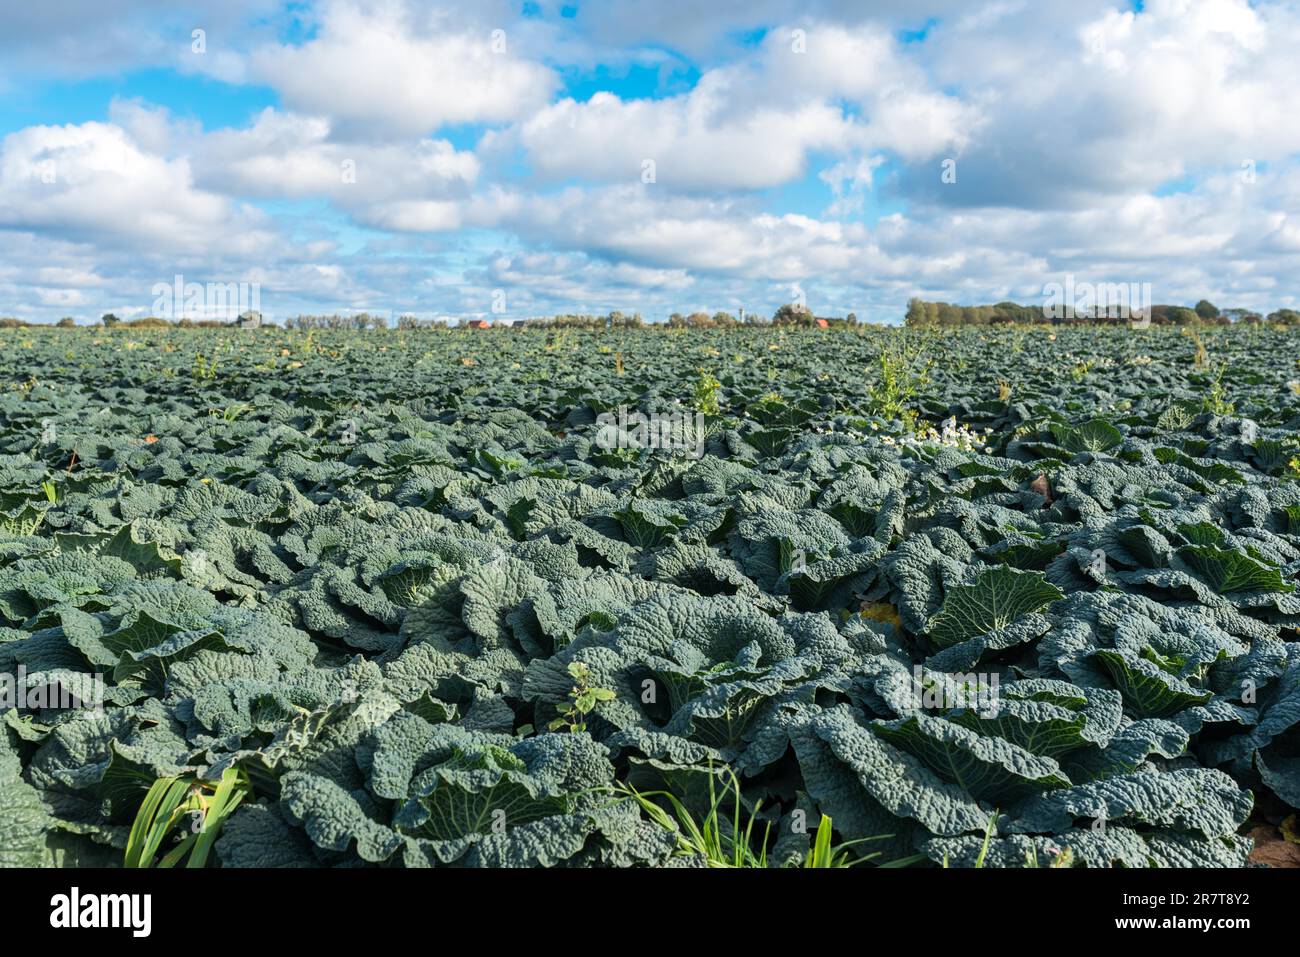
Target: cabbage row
x=366, y=568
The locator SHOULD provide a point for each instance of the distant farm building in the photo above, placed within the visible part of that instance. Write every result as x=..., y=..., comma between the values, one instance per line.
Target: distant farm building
x=480, y=324
x=250, y=320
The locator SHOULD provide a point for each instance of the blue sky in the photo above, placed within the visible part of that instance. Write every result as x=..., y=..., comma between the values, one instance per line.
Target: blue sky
x=411, y=156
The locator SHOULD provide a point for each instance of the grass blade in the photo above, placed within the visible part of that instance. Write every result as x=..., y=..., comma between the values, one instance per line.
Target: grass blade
x=988, y=836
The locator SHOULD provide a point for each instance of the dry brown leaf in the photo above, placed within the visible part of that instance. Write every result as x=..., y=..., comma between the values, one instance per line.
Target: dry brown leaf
x=1043, y=487
x=1291, y=829
x=1272, y=850
x=883, y=612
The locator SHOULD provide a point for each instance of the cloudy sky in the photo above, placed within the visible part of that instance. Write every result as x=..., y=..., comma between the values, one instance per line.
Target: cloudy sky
x=412, y=156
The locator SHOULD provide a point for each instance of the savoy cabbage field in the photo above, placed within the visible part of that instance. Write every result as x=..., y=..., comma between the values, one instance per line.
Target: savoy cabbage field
x=1006, y=597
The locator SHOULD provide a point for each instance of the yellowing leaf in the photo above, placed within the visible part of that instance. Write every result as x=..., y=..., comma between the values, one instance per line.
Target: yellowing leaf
x=884, y=612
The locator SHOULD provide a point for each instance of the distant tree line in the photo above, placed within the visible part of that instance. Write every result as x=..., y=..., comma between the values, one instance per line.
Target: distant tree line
x=360, y=320
x=408, y=323
x=789, y=314
x=110, y=320
x=613, y=320
x=921, y=312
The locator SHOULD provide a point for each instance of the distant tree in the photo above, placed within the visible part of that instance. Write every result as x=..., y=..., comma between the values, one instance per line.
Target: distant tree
x=108, y=320
x=1285, y=317
x=67, y=322
x=621, y=320
x=1182, y=316
x=851, y=319
x=1011, y=312
x=1207, y=310
x=793, y=314
x=950, y=315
